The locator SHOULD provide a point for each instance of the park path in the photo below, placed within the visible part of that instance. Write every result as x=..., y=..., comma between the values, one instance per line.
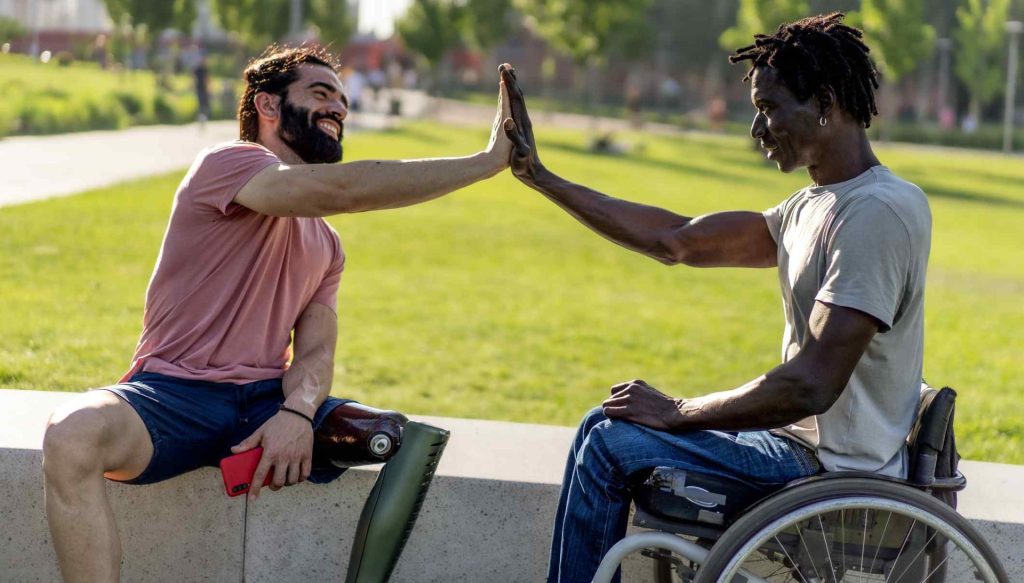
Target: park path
x=40, y=167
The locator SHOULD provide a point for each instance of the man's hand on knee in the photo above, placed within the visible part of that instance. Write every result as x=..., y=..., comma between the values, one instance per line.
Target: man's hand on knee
x=640, y=403
x=287, y=441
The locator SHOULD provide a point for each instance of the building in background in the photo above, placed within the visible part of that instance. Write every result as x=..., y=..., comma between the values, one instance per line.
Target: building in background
x=56, y=25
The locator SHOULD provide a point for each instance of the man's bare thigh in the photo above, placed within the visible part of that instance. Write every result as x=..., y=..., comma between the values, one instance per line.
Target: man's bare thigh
x=123, y=443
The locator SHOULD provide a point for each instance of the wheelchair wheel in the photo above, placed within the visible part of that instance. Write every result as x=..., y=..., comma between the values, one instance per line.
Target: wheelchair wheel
x=852, y=530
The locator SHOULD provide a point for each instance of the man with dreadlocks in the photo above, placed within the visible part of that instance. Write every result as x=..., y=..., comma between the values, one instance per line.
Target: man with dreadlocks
x=239, y=328
x=851, y=251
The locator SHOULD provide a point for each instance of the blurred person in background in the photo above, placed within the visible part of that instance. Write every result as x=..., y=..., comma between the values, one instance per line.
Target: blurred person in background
x=201, y=77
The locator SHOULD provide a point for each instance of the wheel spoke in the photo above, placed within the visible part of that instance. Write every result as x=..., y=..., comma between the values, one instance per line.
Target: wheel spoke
x=903, y=546
x=864, y=541
x=878, y=545
x=842, y=530
x=921, y=550
x=804, y=543
x=828, y=552
x=937, y=567
x=791, y=561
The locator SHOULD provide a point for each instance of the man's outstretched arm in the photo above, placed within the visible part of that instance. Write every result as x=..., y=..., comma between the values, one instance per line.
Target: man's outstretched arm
x=287, y=438
x=726, y=239
x=806, y=385
x=320, y=190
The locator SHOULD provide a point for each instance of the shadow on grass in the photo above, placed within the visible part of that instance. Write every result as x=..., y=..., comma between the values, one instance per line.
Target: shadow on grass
x=936, y=190
x=1001, y=180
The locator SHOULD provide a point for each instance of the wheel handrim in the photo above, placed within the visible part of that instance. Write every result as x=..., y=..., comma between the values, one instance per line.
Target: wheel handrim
x=816, y=510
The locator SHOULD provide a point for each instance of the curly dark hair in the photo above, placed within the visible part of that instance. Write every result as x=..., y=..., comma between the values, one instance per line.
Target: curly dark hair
x=272, y=72
x=818, y=52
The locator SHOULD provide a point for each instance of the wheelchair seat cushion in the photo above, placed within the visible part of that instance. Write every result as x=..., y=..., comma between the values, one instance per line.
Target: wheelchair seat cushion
x=682, y=495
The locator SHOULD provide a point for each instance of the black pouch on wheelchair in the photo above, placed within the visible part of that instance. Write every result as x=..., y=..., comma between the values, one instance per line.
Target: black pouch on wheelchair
x=681, y=495
x=933, y=455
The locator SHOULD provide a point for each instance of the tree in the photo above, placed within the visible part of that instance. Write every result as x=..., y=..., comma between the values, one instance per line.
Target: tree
x=156, y=16
x=332, y=19
x=10, y=29
x=259, y=22
x=584, y=29
x=487, y=23
x=898, y=34
x=980, y=41
x=432, y=28
x=760, y=17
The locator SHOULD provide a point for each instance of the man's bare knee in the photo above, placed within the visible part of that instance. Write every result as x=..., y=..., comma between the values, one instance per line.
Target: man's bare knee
x=72, y=444
x=95, y=433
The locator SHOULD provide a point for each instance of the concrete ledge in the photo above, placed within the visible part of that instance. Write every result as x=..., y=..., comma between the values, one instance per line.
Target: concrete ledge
x=487, y=516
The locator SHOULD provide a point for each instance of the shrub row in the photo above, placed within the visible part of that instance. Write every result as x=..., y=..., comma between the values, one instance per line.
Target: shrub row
x=46, y=113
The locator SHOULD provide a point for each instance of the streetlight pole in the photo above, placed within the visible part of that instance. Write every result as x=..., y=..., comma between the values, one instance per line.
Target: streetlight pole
x=1014, y=28
x=295, y=19
x=944, y=45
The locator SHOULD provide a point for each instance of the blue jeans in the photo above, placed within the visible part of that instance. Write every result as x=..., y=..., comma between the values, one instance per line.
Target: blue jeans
x=594, y=505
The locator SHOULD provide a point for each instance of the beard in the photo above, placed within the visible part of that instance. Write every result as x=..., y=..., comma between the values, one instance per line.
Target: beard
x=299, y=131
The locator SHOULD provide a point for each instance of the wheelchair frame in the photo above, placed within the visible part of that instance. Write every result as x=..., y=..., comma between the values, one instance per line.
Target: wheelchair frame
x=833, y=491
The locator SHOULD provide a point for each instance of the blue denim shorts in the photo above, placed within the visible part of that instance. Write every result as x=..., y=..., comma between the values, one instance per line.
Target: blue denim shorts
x=195, y=423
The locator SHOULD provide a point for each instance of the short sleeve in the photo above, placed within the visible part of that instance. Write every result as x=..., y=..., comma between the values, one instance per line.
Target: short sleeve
x=773, y=217
x=868, y=261
x=223, y=171
x=327, y=292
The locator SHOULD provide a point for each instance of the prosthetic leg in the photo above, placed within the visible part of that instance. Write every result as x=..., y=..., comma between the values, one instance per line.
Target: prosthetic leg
x=356, y=435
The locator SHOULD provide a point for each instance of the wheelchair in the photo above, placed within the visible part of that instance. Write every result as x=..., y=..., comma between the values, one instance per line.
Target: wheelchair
x=853, y=527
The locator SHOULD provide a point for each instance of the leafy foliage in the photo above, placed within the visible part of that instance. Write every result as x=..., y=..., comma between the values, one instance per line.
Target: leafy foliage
x=897, y=32
x=980, y=42
x=10, y=29
x=760, y=17
x=432, y=28
x=487, y=22
x=177, y=14
x=262, y=21
x=585, y=29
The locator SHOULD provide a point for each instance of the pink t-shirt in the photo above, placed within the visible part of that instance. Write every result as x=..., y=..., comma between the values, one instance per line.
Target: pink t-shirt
x=230, y=283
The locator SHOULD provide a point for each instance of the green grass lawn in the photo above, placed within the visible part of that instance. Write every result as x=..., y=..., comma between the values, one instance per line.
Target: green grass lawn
x=492, y=303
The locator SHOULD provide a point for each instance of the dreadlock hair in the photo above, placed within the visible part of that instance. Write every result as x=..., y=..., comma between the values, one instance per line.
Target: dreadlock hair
x=818, y=52
x=272, y=72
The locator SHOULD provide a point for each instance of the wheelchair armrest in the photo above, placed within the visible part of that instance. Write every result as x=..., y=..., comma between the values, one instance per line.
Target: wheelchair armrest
x=952, y=484
x=955, y=483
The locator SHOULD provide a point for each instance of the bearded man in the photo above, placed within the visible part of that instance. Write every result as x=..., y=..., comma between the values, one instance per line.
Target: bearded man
x=245, y=282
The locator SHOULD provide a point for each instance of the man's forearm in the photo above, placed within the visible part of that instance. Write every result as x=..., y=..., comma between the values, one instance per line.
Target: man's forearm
x=773, y=400
x=307, y=383
x=382, y=184
x=638, y=227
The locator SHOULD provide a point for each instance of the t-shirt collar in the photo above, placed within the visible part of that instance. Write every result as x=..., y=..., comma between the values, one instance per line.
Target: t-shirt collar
x=840, y=187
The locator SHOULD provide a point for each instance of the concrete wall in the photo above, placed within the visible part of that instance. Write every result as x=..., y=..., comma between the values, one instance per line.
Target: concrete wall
x=486, y=518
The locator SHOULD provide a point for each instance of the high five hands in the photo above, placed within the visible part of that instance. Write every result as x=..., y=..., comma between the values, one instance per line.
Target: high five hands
x=525, y=163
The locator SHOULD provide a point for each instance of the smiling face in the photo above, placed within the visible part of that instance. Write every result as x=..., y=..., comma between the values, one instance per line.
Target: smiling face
x=313, y=114
x=787, y=128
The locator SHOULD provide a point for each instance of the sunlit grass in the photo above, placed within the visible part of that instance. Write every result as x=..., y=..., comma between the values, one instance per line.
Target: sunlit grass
x=492, y=303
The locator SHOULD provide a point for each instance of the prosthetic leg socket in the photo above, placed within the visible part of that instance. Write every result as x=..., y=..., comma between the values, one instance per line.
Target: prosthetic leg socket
x=394, y=503
x=357, y=435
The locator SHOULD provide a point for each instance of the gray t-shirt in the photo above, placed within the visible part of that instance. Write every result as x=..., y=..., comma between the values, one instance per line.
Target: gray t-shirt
x=861, y=244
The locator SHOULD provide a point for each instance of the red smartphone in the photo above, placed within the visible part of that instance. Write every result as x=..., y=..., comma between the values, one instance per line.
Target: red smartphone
x=238, y=471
